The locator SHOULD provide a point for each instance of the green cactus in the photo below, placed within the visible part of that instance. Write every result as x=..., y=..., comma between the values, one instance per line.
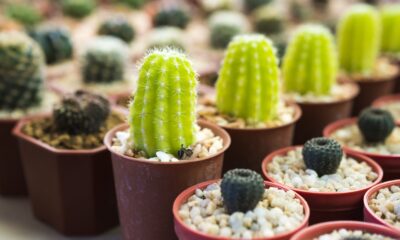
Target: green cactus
x=25, y=14
x=21, y=72
x=118, y=27
x=55, y=42
x=166, y=37
x=171, y=16
x=134, y=3
x=248, y=83
x=268, y=20
x=358, y=39
x=390, y=18
x=104, y=61
x=310, y=63
x=78, y=8
x=163, y=114
x=375, y=124
x=250, y=5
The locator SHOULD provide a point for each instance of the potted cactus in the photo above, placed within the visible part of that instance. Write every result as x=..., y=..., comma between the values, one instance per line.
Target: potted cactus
x=67, y=167
x=171, y=15
x=162, y=151
x=118, y=27
x=248, y=103
x=78, y=8
x=309, y=79
x=359, y=62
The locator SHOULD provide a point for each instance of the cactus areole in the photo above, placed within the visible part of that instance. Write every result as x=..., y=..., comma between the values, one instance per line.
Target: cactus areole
x=162, y=114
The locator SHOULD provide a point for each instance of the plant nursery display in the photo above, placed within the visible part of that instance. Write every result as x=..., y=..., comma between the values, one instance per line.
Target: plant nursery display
x=390, y=103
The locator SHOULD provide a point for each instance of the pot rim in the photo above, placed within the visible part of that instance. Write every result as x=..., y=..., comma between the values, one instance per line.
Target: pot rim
x=223, y=134
x=369, y=194
x=333, y=225
x=375, y=166
x=386, y=99
x=185, y=194
x=330, y=128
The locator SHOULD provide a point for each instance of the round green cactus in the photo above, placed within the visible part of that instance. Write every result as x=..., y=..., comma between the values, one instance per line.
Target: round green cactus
x=390, y=18
x=25, y=14
x=104, y=61
x=163, y=112
x=134, y=3
x=78, y=8
x=166, y=37
x=171, y=16
x=21, y=72
x=268, y=20
x=250, y=5
x=118, y=27
x=248, y=83
x=358, y=39
x=375, y=124
x=55, y=42
x=310, y=63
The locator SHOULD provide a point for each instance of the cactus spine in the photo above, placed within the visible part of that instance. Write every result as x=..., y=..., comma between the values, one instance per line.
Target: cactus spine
x=358, y=39
x=310, y=65
x=162, y=114
x=390, y=17
x=248, y=84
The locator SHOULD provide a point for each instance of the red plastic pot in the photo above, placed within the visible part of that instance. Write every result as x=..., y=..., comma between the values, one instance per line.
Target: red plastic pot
x=382, y=101
x=315, y=116
x=71, y=190
x=369, y=215
x=323, y=228
x=186, y=233
x=389, y=163
x=341, y=205
x=251, y=145
x=12, y=179
x=146, y=190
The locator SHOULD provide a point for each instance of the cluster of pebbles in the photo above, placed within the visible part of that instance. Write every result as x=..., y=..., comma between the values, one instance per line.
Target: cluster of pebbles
x=386, y=205
x=207, y=144
x=206, y=109
x=341, y=234
x=339, y=92
x=291, y=171
x=351, y=136
x=278, y=212
x=393, y=108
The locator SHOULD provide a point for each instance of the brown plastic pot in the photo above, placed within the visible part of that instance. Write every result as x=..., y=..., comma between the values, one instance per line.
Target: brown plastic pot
x=382, y=101
x=146, y=189
x=323, y=228
x=369, y=215
x=71, y=190
x=389, y=163
x=329, y=206
x=251, y=145
x=12, y=180
x=315, y=116
x=186, y=233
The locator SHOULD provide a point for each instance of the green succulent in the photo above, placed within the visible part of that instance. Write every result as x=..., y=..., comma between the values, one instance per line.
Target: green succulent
x=78, y=8
x=166, y=37
x=375, y=124
x=25, y=14
x=390, y=18
x=250, y=5
x=171, y=16
x=268, y=20
x=118, y=27
x=134, y=3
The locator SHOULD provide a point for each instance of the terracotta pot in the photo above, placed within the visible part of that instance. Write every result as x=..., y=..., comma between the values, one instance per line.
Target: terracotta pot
x=251, y=145
x=71, y=190
x=12, y=179
x=396, y=61
x=341, y=205
x=323, y=228
x=186, y=233
x=369, y=215
x=146, y=190
x=315, y=116
x=389, y=163
x=382, y=101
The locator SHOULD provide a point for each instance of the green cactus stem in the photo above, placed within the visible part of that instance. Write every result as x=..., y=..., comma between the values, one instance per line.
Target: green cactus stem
x=375, y=124
x=171, y=16
x=390, y=18
x=166, y=37
x=118, y=27
x=248, y=83
x=78, y=8
x=250, y=5
x=268, y=20
x=310, y=64
x=162, y=114
x=358, y=39
x=24, y=14
x=21, y=72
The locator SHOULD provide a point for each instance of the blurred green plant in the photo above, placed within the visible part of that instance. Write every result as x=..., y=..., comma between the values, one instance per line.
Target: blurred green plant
x=24, y=14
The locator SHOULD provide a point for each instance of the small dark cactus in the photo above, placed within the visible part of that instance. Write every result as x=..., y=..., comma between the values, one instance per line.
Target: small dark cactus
x=375, y=124
x=81, y=113
x=171, y=16
x=242, y=190
x=250, y=5
x=322, y=155
x=118, y=27
x=354, y=238
x=78, y=8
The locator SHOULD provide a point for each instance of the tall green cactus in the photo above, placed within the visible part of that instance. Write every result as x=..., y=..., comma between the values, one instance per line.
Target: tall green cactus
x=390, y=17
x=248, y=84
x=162, y=114
x=310, y=64
x=358, y=39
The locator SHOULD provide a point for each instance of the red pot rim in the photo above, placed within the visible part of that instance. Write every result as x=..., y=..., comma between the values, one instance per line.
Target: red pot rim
x=352, y=225
x=330, y=128
x=386, y=99
x=189, y=191
x=221, y=132
x=359, y=157
x=369, y=194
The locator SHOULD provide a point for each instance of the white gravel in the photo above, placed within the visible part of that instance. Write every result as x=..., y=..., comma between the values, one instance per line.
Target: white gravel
x=350, y=136
x=291, y=171
x=393, y=108
x=342, y=233
x=386, y=205
x=278, y=212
